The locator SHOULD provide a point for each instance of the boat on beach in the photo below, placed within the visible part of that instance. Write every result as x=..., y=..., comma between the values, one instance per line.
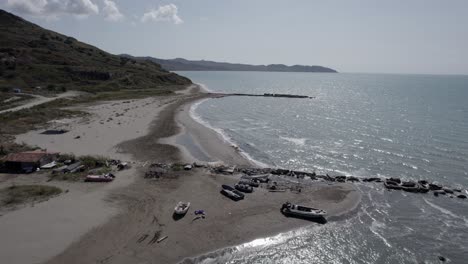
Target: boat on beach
x=243, y=188
x=231, y=193
x=100, y=178
x=253, y=183
x=181, y=208
x=301, y=211
x=262, y=178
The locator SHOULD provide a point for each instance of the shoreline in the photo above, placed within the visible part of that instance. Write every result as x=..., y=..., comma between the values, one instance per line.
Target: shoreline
x=203, y=143
x=145, y=206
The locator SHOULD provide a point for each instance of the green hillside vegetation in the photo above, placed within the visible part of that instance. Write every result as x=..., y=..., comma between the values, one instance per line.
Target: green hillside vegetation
x=32, y=57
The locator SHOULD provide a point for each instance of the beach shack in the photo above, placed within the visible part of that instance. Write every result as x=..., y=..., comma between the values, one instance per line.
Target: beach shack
x=28, y=161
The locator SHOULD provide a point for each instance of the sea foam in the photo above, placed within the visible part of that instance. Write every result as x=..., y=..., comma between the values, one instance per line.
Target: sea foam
x=297, y=141
x=225, y=137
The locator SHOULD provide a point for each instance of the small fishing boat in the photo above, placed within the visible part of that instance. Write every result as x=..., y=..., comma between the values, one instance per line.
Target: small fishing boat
x=302, y=211
x=231, y=193
x=182, y=208
x=243, y=188
x=49, y=165
x=252, y=183
x=100, y=178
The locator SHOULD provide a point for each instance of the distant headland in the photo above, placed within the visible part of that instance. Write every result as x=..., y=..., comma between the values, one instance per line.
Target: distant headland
x=180, y=64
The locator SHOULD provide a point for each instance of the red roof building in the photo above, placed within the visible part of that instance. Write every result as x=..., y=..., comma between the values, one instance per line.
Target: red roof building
x=28, y=161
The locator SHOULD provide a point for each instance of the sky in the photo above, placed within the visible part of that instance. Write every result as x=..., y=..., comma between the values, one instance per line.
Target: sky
x=370, y=36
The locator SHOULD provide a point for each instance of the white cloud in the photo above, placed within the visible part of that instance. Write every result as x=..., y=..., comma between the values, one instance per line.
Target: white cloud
x=26, y=6
x=167, y=13
x=53, y=8
x=111, y=11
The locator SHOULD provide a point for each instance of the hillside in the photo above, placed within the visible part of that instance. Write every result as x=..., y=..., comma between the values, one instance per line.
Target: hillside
x=203, y=65
x=31, y=56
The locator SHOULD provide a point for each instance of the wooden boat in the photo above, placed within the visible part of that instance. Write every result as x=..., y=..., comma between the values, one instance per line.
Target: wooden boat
x=243, y=188
x=49, y=165
x=231, y=193
x=302, y=211
x=100, y=178
x=182, y=208
x=229, y=170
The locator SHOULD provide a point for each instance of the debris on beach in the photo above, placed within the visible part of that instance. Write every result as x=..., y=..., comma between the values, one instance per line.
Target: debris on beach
x=122, y=165
x=162, y=239
x=156, y=236
x=224, y=169
x=142, y=238
x=198, y=217
x=155, y=173
x=54, y=132
x=199, y=212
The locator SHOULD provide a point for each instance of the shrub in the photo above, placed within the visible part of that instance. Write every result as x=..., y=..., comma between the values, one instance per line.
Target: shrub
x=66, y=156
x=92, y=161
x=16, y=194
x=177, y=167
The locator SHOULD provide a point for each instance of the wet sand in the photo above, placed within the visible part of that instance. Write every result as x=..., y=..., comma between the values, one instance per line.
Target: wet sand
x=141, y=208
x=149, y=206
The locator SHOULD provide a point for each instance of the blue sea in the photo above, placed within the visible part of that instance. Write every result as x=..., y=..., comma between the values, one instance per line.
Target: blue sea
x=408, y=126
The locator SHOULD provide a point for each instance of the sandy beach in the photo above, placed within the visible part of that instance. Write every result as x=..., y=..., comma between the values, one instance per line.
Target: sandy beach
x=114, y=223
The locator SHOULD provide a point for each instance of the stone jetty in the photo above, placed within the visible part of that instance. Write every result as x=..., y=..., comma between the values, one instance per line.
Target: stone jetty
x=265, y=95
x=393, y=183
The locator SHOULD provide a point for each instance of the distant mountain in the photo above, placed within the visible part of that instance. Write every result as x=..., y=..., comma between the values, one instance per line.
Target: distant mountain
x=203, y=65
x=32, y=56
